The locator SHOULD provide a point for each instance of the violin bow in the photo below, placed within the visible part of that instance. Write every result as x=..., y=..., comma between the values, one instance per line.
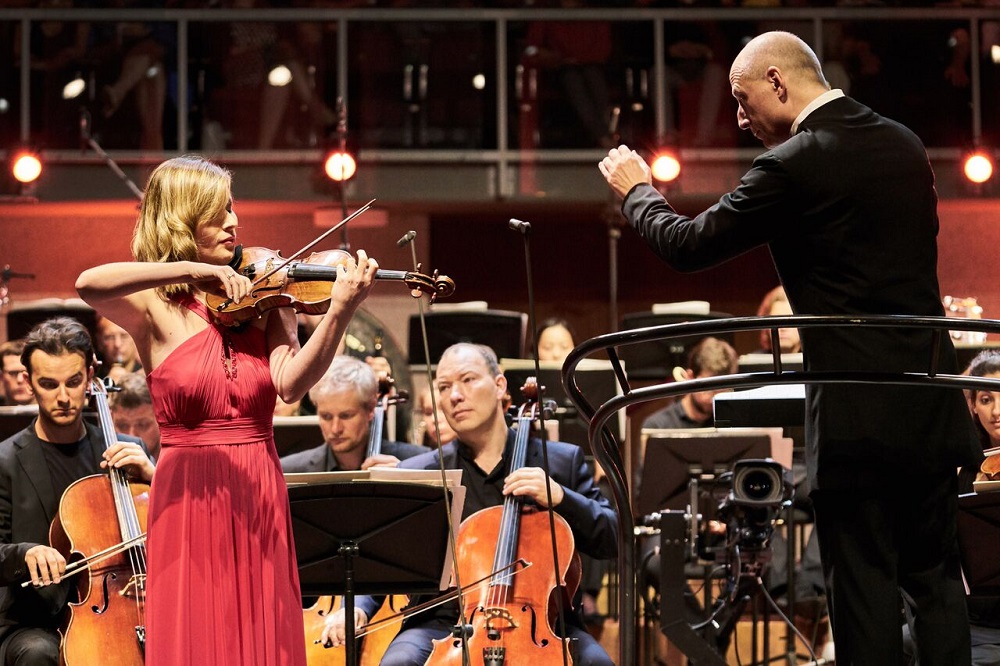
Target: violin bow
x=85, y=564
x=379, y=625
x=311, y=244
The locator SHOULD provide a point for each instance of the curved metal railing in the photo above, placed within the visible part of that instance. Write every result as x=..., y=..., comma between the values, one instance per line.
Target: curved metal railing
x=608, y=452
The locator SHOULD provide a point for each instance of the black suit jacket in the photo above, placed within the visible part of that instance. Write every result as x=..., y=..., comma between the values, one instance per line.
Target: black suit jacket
x=314, y=460
x=588, y=513
x=28, y=504
x=848, y=209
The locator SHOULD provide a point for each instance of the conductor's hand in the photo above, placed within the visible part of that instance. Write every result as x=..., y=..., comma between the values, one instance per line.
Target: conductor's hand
x=334, y=629
x=130, y=457
x=530, y=482
x=45, y=565
x=624, y=169
x=354, y=281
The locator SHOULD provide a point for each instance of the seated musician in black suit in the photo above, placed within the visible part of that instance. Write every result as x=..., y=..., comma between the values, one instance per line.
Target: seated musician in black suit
x=471, y=390
x=711, y=357
x=345, y=401
x=36, y=466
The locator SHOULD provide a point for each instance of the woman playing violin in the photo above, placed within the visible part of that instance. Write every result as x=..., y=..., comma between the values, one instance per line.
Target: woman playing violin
x=222, y=580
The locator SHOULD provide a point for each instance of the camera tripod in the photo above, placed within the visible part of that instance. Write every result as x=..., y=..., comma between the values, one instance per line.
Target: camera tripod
x=704, y=634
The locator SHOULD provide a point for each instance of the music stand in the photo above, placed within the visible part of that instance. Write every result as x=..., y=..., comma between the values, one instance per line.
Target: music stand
x=979, y=542
x=347, y=538
x=657, y=359
x=675, y=458
x=596, y=379
x=296, y=433
x=501, y=330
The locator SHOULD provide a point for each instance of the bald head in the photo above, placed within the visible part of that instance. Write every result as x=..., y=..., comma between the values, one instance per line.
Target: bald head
x=784, y=51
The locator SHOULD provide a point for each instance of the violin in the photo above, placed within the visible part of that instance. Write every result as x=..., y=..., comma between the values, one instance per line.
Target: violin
x=304, y=284
x=512, y=616
x=99, y=514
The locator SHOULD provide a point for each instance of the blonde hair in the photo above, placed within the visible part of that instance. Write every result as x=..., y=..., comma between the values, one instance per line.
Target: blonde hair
x=182, y=193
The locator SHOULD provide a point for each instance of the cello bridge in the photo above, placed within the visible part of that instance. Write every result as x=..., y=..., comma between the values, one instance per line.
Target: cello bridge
x=136, y=583
x=498, y=618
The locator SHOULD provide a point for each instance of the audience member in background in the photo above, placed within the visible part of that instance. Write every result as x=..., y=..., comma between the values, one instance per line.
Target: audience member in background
x=345, y=401
x=132, y=411
x=555, y=340
x=775, y=304
x=428, y=426
x=711, y=357
x=117, y=349
x=16, y=388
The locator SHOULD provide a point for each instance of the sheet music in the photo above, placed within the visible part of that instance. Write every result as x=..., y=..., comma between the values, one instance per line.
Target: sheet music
x=781, y=447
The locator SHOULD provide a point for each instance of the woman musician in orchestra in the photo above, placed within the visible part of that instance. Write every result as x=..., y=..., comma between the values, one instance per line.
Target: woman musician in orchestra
x=222, y=579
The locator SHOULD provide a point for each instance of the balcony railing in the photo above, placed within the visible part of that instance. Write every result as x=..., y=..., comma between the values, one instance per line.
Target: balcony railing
x=499, y=90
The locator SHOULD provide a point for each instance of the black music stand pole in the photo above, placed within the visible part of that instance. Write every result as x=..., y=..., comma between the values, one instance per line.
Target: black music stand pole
x=347, y=536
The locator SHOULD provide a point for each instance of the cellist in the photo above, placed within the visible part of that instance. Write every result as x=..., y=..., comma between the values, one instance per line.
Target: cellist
x=36, y=466
x=470, y=390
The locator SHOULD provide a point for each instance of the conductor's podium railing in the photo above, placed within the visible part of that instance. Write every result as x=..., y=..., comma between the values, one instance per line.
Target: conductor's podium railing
x=607, y=450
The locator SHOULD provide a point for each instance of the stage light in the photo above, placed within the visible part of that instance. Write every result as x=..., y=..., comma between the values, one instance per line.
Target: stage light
x=26, y=166
x=339, y=165
x=666, y=166
x=74, y=88
x=280, y=76
x=978, y=167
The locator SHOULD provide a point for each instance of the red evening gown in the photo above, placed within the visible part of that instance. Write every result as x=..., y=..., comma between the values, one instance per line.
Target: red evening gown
x=222, y=585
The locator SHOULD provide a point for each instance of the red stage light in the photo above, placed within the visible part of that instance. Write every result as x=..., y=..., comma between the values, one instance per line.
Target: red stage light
x=339, y=166
x=978, y=167
x=666, y=167
x=26, y=167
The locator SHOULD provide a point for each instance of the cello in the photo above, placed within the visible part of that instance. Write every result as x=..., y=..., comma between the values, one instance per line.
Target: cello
x=512, y=616
x=374, y=645
x=107, y=626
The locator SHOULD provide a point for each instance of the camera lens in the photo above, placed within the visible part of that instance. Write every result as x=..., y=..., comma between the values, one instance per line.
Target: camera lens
x=758, y=485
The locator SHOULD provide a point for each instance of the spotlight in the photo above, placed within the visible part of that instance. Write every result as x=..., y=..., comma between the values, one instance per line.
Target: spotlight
x=74, y=88
x=666, y=166
x=26, y=166
x=978, y=167
x=280, y=76
x=339, y=165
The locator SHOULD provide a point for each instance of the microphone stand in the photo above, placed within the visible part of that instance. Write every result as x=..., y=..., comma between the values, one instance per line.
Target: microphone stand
x=341, y=111
x=524, y=228
x=463, y=630
x=86, y=139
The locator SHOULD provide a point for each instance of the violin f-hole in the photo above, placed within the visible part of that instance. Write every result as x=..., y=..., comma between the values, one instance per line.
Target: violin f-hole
x=98, y=609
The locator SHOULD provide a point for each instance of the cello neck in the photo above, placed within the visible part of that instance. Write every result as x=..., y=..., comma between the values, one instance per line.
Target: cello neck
x=375, y=432
x=128, y=519
x=510, y=521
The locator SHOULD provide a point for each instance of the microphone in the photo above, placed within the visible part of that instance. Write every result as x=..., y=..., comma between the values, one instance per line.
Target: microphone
x=407, y=237
x=520, y=226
